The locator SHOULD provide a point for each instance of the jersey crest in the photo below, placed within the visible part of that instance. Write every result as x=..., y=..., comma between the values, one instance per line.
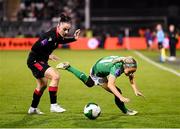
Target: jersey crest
x=118, y=72
x=44, y=42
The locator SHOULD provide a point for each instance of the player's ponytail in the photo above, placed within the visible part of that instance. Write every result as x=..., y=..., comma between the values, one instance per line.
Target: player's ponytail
x=64, y=18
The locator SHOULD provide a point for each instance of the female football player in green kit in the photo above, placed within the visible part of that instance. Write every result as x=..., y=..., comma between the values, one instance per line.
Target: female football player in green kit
x=104, y=73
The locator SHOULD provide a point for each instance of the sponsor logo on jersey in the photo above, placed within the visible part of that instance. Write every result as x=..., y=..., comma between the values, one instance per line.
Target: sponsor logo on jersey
x=50, y=39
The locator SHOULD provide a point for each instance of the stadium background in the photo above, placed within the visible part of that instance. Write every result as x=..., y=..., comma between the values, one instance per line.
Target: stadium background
x=98, y=19
x=22, y=21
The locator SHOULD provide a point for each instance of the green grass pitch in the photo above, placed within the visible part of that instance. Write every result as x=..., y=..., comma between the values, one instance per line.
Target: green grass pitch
x=161, y=109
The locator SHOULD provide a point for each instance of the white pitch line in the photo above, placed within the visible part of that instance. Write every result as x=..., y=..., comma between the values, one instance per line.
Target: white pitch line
x=156, y=64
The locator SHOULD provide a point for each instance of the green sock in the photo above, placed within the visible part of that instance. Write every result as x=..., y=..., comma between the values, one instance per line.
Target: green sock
x=80, y=75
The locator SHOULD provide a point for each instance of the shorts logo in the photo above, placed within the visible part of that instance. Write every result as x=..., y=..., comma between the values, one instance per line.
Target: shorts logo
x=38, y=66
x=44, y=42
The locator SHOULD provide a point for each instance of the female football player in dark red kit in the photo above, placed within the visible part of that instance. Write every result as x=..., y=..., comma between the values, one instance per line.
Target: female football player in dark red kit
x=37, y=62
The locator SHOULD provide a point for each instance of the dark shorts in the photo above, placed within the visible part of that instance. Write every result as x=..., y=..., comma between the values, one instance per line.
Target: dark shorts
x=160, y=45
x=37, y=67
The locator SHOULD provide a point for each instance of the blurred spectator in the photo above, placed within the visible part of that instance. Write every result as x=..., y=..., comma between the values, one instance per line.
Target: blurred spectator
x=166, y=41
x=127, y=32
x=165, y=46
x=47, y=10
x=20, y=35
x=173, y=39
x=89, y=33
x=149, y=38
x=102, y=39
x=160, y=38
x=141, y=32
x=120, y=38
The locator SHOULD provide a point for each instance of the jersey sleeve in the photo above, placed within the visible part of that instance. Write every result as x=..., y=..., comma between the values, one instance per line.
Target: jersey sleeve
x=115, y=71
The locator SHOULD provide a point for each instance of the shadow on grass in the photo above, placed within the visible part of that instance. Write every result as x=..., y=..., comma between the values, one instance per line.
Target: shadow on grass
x=77, y=120
x=20, y=113
x=113, y=120
x=26, y=121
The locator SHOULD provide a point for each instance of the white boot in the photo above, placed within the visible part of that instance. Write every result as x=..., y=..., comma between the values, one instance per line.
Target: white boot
x=56, y=108
x=63, y=65
x=131, y=112
x=34, y=111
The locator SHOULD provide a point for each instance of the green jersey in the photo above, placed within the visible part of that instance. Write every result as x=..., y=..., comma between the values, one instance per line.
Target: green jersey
x=105, y=67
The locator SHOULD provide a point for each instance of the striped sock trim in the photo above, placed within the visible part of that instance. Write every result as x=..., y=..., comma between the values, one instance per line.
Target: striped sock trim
x=51, y=88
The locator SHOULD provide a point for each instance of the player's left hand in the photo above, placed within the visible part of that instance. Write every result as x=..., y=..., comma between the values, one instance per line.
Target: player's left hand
x=53, y=57
x=77, y=33
x=138, y=93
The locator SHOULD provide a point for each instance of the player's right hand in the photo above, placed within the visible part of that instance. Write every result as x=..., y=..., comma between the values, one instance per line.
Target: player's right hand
x=54, y=57
x=77, y=33
x=125, y=100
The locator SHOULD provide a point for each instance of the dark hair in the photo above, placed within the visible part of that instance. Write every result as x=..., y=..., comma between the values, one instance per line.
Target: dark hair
x=64, y=18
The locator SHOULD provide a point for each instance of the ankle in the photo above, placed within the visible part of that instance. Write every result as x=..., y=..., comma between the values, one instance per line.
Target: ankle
x=54, y=104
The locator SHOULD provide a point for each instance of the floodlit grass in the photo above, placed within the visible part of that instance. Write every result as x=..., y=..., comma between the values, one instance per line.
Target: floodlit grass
x=161, y=109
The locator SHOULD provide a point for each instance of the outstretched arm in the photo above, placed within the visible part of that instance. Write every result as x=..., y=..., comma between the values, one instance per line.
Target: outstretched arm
x=112, y=87
x=134, y=87
x=72, y=39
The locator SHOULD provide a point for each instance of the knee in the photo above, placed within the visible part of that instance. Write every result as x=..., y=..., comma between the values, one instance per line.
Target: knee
x=56, y=76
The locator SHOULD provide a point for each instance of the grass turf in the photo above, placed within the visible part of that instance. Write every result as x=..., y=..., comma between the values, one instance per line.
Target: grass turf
x=159, y=110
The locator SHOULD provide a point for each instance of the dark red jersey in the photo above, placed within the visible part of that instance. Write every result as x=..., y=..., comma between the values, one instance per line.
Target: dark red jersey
x=48, y=42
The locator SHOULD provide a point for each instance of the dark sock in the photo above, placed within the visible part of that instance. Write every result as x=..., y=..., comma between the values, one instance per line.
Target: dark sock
x=80, y=75
x=36, y=98
x=119, y=103
x=53, y=94
x=89, y=82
